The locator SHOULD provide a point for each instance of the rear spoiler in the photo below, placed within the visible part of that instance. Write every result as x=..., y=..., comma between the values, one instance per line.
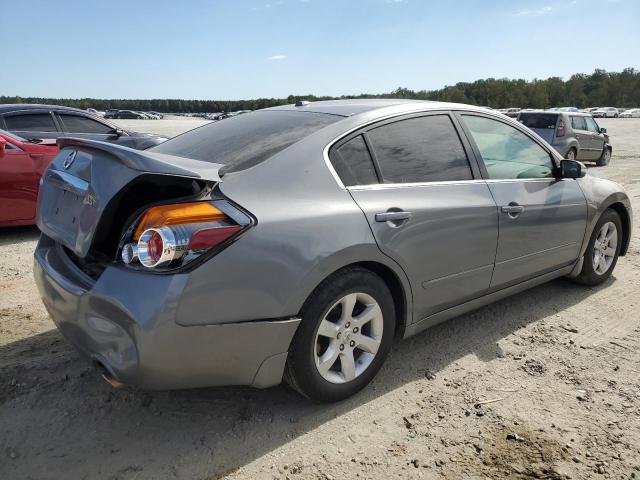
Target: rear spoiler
x=146, y=161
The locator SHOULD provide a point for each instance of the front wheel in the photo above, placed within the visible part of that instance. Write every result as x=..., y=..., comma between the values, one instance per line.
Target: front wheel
x=346, y=332
x=605, y=158
x=602, y=252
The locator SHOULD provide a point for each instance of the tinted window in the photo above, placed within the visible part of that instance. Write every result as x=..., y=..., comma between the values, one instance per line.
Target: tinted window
x=245, y=140
x=578, y=123
x=592, y=126
x=508, y=153
x=538, y=120
x=80, y=124
x=31, y=122
x=353, y=163
x=424, y=149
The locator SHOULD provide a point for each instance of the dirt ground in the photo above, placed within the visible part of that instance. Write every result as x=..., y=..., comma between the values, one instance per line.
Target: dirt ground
x=545, y=384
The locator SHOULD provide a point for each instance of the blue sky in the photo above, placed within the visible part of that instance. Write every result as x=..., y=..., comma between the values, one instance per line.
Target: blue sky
x=233, y=49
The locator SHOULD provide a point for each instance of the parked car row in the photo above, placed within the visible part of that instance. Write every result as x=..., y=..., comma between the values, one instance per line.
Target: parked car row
x=597, y=112
x=132, y=114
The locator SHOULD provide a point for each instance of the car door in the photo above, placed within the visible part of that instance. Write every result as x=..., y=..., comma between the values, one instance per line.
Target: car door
x=18, y=184
x=596, y=138
x=32, y=124
x=83, y=126
x=583, y=136
x=430, y=211
x=542, y=220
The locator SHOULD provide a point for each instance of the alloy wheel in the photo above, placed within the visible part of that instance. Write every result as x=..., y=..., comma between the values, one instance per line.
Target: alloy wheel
x=604, y=248
x=348, y=338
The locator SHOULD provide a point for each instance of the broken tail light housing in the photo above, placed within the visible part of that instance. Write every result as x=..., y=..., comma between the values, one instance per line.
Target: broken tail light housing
x=166, y=237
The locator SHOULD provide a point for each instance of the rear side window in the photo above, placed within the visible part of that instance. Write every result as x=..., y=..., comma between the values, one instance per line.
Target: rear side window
x=246, y=140
x=423, y=149
x=353, y=163
x=30, y=122
x=538, y=120
x=578, y=123
x=81, y=124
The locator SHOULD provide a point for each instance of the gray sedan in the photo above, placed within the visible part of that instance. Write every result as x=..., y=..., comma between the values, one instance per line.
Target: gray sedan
x=297, y=242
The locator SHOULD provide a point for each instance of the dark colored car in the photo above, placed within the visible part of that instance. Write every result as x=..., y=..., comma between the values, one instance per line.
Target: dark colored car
x=130, y=114
x=299, y=241
x=22, y=163
x=51, y=121
x=575, y=135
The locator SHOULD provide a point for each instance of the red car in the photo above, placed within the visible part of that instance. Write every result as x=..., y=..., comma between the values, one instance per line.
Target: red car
x=21, y=166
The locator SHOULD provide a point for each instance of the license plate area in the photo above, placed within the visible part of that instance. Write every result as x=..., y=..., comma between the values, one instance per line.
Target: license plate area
x=63, y=199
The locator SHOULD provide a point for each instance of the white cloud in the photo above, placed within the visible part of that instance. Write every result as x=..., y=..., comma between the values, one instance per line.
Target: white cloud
x=535, y=13
x=278, y=57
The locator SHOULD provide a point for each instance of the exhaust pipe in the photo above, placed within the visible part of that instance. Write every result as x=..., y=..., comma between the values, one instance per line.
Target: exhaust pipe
x=108, y=377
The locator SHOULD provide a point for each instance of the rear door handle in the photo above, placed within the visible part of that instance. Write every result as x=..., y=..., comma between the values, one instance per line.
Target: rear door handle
x=392, y=216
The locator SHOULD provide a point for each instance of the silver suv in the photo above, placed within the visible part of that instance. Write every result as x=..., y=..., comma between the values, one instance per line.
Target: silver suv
x=575, y=135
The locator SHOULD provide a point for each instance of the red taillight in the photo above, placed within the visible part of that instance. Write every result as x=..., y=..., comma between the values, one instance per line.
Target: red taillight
x=560, y=132
x=174, y=235
x=155, y=246
x=211, y=237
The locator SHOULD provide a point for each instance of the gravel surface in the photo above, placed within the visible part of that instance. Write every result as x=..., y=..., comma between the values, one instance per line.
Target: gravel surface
x=545, y=384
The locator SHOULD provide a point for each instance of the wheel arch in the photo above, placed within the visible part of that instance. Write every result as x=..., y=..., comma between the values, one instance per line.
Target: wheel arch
x=622, y=211
x=400, y=291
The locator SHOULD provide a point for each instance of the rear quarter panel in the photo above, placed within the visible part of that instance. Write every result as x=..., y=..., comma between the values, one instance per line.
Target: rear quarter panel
x=307, y=228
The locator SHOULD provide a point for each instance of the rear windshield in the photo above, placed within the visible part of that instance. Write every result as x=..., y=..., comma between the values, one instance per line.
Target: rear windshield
x=538, y=120
x=245, y=140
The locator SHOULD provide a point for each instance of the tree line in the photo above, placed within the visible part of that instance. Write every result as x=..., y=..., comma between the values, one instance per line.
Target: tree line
x=601, y=88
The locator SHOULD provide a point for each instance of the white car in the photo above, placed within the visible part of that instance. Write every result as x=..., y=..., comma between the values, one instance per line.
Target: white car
x=631, y=113
x=605, y=112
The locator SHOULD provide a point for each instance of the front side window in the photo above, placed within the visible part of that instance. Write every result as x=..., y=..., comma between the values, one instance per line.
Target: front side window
x=423, y=149
x=507, y=152
x=353, y=163
x=592, y=126
x=30, y=122
x=82, y=124
x=578, y=123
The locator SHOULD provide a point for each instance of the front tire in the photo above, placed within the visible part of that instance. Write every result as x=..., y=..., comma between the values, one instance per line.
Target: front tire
x=601, y=255
x=605, y=158
x=346, y=332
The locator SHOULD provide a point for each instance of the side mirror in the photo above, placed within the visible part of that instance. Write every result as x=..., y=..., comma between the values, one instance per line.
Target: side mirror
x=3, y=142
x=572, y=169
x=603, y=130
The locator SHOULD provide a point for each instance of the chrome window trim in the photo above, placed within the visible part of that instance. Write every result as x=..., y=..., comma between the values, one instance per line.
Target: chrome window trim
x=327, y=161
x=383, y=186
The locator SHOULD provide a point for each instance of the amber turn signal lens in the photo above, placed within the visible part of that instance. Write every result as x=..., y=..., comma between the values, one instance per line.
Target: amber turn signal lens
x=165, y=215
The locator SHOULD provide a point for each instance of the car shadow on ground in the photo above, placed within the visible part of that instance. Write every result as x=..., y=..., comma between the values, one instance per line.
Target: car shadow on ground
x=82, y=426
x=14, y=235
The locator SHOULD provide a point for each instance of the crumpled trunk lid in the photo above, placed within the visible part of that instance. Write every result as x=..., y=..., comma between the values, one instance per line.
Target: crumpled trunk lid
x=84, y=179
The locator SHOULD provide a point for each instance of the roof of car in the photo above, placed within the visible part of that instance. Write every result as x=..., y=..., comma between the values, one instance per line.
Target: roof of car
x=555, y=112
x=14, y=107
x=348, y=108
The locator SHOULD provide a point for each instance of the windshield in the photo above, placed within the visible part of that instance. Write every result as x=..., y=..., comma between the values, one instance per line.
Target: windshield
x=538, y=120
x=245, y=140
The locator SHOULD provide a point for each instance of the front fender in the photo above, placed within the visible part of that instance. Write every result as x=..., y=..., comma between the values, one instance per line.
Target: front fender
x=602, y=194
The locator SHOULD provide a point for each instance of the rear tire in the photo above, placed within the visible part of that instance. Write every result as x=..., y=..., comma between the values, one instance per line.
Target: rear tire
x=571, y=154
x=605, y=158
x=336, y=351
x=600, y=258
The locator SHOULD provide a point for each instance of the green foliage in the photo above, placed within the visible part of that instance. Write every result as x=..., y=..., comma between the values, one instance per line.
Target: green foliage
x=601, y=88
